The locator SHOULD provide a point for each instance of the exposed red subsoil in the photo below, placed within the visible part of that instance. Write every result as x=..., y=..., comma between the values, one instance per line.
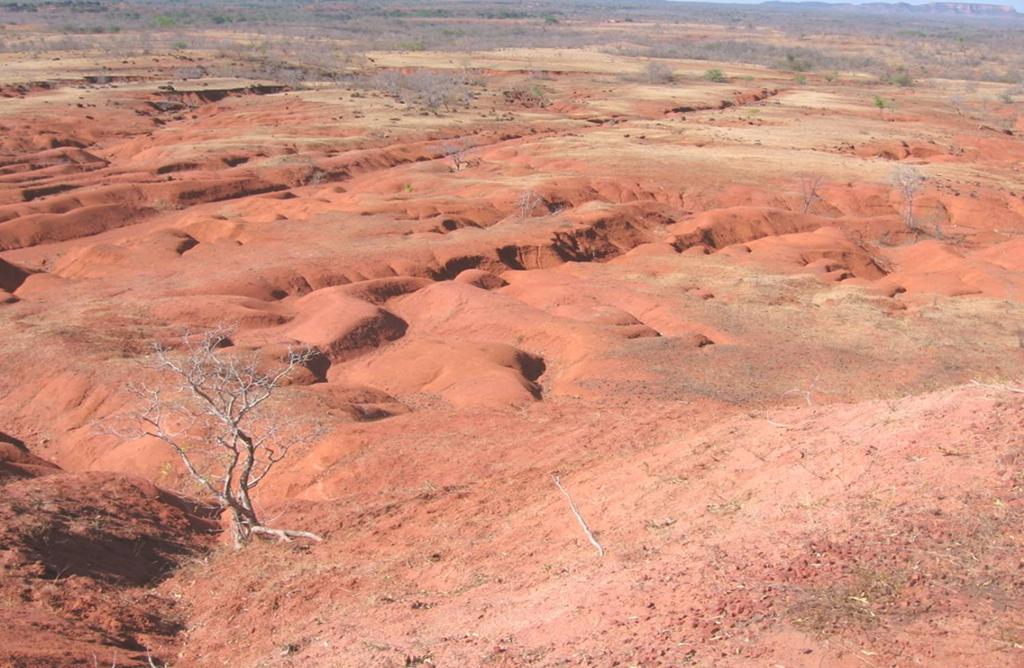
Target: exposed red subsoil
x=763, y=404
x=81, y=553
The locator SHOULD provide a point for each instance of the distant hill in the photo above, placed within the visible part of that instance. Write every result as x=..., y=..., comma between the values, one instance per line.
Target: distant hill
x=896, y=8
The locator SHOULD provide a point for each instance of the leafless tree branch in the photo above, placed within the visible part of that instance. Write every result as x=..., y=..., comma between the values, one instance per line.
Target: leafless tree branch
x=211, y=414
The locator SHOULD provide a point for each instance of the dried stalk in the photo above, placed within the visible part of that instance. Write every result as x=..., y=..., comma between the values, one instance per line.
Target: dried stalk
x=579, y=518
x=1005, y=388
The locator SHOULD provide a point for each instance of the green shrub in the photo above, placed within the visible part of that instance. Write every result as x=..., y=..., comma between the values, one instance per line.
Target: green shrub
x=899, y=77
x=796, y=63
x=715, y=76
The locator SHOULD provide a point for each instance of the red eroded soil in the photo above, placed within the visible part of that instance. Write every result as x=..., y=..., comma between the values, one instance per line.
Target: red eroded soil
x=793, y=422
x=81, y=553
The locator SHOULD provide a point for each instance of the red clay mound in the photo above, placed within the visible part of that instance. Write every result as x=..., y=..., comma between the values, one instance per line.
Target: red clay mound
x=719, y=228
x=827, y=252
x=16, y=462
x=895, y=149
x=339, y=325
x=857, y=199
x=574, y=346
x=564, y=295
x=463, y=373
x=48, y=227
x=79, y=552
x=380, y=290
x=1008, y=255
x=101, y=259
x=11, y=276
x=573, y=291
x=212, y=310
x=935, y=267
x=481, y=279
x=457, y=310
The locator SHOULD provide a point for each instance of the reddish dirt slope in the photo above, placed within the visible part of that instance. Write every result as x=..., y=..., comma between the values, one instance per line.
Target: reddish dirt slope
x=80, y=554
x=886, y=531
x=759, y=396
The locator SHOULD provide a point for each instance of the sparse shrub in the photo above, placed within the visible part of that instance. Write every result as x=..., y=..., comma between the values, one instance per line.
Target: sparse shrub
x=957, y=102
x=389, y=82
x=186, y=73
x=529, y=96
x=882, y=104
x=418, y=45
x=899, y=77
x=759, y=53
x=658, y=73
x=715, y=76
x=903, y=80
x=796, y=63
x=438, y=90
x=801, y=80
x=457, y=154
x=433, y=90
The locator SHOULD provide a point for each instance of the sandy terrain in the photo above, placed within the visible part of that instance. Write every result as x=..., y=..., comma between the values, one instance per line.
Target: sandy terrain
x=790, y=419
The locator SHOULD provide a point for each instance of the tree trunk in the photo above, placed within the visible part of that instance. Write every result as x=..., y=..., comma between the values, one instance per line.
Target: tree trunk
x=242, y=522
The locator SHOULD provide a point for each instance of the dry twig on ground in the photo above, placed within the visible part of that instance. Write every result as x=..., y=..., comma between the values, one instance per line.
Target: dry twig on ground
x=579, y=518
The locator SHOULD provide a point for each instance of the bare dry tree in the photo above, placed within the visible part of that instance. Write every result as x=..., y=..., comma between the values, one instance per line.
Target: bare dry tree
x=212, y=413
x=957, y=102
x=933, y=225
x=526, y=203
x=809, y=195
x=908, y=181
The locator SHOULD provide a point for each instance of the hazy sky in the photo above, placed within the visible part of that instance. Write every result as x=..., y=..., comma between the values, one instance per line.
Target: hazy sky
x=1018, y=4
